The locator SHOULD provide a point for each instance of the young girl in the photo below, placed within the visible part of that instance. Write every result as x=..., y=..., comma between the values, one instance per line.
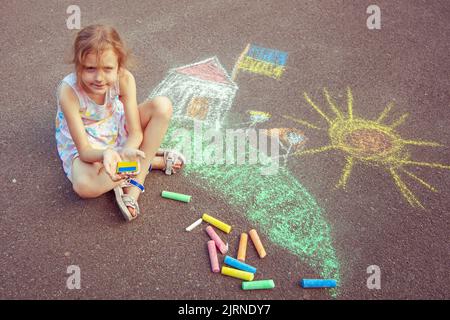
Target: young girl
x=99, y=123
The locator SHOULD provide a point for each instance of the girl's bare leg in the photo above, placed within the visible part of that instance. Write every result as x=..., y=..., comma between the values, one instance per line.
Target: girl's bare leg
x=90, y=180
x=155, y=117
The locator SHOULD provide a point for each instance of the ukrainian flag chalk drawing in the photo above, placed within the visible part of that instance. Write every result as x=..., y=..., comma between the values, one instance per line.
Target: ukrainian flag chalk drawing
x=264, y=61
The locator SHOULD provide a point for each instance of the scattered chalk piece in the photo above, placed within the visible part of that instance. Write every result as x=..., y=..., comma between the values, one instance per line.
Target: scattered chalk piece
x=213, y=256
x=258, y=285
x=235, y=263
x=318, y=283
x=223, y=248
x=242, y=251
x=216, y=223
x=176, y=196
x=247, y=276
x=257, y=242
x=195, y=224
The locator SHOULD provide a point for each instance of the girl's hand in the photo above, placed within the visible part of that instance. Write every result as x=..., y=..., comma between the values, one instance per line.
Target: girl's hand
x=130, y=154
x=110, y=159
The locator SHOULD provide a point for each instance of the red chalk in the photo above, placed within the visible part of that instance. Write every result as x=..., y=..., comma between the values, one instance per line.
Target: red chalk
x=213, y=256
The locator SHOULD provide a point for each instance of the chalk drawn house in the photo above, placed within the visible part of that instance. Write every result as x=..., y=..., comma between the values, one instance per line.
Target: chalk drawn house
x=203, y=91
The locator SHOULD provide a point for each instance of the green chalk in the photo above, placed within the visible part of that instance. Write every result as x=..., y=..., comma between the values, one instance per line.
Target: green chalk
x=260, y=284
x=176, y=196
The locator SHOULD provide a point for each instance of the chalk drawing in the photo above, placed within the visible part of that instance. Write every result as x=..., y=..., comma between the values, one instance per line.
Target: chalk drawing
x=290, y=139
x=278, y=205
x=370, y=142
x=202, y=90
x=255, y=117
x=198, y=108
x=264, y=61
x=258, y=117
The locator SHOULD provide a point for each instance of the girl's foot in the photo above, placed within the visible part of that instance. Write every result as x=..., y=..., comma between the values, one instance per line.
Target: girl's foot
x=158, y=164
x=132, y=192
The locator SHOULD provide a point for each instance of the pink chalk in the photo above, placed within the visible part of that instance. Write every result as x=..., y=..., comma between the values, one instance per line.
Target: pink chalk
x=213, y=256
x=219, y=243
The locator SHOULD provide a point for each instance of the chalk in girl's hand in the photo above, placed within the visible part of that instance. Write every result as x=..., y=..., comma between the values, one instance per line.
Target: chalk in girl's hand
x=127, y=167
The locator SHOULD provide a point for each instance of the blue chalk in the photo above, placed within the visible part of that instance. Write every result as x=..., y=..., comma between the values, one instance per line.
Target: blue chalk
x=239, y=265
x=318, y=283
x=125, y=169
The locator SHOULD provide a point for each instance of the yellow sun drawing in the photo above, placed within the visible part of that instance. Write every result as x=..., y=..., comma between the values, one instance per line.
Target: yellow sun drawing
x=369, y=142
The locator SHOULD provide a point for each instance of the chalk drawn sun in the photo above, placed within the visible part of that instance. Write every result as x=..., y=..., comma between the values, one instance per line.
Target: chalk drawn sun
x=371, y=142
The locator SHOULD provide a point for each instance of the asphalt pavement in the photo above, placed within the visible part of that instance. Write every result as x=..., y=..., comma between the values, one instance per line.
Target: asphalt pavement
x=45, y=227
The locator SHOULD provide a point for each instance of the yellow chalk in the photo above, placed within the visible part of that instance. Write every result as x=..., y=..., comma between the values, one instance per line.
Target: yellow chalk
x=217, y=223
x=242, y=247
x=127, y=164
x=127, y=167
x=257, y=242
x=235, y=273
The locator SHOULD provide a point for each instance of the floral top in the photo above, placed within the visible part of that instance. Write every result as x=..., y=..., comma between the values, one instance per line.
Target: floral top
x=104, y=124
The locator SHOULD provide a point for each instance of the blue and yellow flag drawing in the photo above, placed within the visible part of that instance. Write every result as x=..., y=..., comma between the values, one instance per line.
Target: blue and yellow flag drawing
x=256, y=59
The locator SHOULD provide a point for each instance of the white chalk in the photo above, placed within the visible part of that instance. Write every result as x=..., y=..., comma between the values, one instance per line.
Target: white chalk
x=195, y=224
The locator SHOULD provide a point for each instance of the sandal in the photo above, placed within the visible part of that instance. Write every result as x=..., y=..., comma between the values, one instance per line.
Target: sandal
x=170, y=158
x=125, y=200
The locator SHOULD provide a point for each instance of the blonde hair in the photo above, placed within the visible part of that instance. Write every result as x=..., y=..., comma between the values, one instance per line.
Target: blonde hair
x=97, y=39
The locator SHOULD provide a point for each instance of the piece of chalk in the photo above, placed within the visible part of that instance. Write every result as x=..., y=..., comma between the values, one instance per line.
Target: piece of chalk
x=257, y=242
x=122, y=164
x=217, y=223
x=318, y=283
x=176, y=196
x=125, y=169
x=127, y=166
x=213, y=256
x=195, y=224
x=242, y=251
x=259, y=284
x=239, y=265
x=223, y=248
x=247, y=276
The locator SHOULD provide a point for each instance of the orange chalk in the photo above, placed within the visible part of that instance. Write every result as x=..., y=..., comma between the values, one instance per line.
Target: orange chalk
x=257, y=242
x=242, y=247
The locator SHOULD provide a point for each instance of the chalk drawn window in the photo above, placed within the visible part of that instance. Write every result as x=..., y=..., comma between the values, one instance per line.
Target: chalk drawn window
x=198, y=108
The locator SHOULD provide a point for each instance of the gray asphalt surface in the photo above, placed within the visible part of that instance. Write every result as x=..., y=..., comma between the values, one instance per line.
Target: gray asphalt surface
x=45, y=227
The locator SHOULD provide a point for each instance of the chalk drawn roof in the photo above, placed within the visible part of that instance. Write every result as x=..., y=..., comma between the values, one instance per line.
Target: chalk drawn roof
x=209, y=70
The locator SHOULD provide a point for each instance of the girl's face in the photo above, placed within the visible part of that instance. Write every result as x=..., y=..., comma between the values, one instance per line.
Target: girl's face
x=97, y=78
